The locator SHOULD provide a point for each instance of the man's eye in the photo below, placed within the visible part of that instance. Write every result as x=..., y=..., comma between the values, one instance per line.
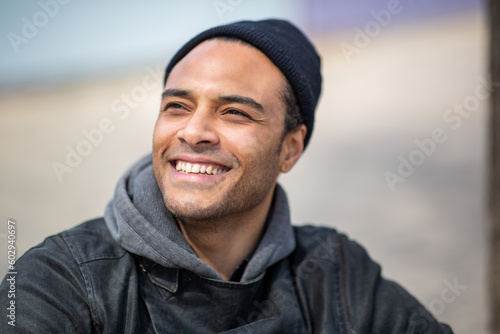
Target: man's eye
x=174, y=106
x=237, y=113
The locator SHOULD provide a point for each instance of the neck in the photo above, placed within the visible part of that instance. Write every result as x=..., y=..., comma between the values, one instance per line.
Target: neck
x=225, y=242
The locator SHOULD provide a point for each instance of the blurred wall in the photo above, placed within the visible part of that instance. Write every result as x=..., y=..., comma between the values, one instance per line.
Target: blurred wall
x=396, y=160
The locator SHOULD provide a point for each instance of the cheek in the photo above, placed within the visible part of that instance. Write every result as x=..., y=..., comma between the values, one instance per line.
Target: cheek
x=163, y=133
x=242, y=142
x=253, y=148
x=269, y=137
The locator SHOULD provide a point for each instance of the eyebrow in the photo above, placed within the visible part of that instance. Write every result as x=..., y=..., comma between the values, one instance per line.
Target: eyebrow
x=175, y=93
x=242, y=100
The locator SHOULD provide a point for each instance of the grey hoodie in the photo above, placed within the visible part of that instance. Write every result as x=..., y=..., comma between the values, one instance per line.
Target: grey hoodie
x=139, y=221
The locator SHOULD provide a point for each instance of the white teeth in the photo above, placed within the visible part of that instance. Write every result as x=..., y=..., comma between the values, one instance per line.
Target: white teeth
x=187, y=167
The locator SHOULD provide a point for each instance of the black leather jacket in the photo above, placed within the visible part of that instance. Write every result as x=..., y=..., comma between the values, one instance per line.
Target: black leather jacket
x=82, y=281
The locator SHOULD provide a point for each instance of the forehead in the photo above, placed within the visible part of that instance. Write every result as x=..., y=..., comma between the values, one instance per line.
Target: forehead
x=227, y=63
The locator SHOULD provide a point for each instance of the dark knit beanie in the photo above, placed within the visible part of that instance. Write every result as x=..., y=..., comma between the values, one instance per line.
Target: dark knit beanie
x=286, y=46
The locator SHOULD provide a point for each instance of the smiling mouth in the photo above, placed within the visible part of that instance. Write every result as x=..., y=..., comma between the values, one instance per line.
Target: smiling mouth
x=199, y=168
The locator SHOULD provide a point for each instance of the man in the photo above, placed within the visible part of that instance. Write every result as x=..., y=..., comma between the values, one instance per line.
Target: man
x=197, y=238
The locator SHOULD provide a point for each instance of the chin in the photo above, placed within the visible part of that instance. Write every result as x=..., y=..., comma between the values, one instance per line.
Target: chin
x=193, y=210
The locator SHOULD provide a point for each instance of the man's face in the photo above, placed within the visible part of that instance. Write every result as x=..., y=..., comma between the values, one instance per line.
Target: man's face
x=217, y=140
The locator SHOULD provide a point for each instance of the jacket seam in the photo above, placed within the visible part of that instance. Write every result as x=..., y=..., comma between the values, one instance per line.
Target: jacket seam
x=300, y=296
x=341, y=279
x=104, y=258
x=86, y=280
x=343, y=324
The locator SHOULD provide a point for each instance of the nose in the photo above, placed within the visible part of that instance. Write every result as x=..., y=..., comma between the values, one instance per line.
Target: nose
x=200, y=129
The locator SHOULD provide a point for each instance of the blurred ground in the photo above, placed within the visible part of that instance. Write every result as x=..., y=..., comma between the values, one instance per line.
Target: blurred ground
x=429, y=231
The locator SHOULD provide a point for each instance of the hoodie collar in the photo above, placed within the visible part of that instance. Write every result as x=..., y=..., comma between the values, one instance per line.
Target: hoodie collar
x=139, y=221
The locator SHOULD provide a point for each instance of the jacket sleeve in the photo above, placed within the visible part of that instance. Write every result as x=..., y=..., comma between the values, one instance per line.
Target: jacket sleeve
x=377, y=305
x=48, y=292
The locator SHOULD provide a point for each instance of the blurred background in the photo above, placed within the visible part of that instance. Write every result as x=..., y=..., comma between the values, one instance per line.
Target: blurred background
x=397, y=159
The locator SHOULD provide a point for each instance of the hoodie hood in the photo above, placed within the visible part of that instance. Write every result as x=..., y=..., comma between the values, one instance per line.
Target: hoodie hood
x=139, y=221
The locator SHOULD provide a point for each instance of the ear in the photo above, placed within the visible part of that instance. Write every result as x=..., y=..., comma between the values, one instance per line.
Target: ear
x=292, y=148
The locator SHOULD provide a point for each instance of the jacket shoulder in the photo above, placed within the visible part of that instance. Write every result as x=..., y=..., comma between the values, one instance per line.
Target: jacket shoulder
x=328, y=244
x=53, y=270
x=343, y=271
x=92, y=241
